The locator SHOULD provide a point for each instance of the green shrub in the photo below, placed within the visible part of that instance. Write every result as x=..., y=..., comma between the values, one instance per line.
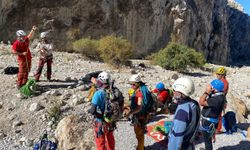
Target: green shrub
x=115, y=50
x=178, y=57
x=88, y=48
x=54, y=111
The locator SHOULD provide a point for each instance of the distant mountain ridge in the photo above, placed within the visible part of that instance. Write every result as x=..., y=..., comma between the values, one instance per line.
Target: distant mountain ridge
x=213, y=27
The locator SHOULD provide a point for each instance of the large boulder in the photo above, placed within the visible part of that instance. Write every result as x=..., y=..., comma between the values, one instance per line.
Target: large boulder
x=73, y=132
x=241, y=109
x=248, y=134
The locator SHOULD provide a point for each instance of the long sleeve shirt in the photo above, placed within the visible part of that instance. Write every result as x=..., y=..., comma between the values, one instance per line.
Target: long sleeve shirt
x=45, y=49
x=184, y=115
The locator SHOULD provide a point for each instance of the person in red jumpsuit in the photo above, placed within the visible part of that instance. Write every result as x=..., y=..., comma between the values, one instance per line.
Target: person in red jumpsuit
x=21, y=48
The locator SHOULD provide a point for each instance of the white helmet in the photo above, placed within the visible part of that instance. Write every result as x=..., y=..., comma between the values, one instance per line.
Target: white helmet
x=104, y=77
x=43, y=34
x=20, y=33
x=135, y=78
x=184, y=85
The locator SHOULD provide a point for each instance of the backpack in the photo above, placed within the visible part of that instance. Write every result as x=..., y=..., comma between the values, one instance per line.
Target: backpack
x=87, y=78
x=229, y=122
x=148, y=101
x=190, y=133
x=91, y=92
x=171, y=93
x=45, y=144
x=114, y=103
x=11, y=70
x=29, y=88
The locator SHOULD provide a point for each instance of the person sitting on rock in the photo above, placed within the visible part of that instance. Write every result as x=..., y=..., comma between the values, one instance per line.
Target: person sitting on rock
x=164, y=97
x=104, y=136
x=45, y=48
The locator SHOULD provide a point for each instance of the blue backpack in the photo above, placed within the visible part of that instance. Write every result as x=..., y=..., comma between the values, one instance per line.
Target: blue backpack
x=229, y=122
x=148, y=102
x=45, y=144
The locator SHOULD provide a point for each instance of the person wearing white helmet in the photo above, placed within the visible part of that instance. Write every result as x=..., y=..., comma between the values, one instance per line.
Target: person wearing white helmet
x=138, y=113
x=104, y=136
x=186, y=118
x=44, y=47
x=21, y=48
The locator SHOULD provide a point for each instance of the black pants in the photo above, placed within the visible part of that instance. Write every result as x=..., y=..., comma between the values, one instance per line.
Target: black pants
x=207, y=135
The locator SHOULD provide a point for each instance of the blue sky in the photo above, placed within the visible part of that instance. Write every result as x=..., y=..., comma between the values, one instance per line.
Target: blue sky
x=245, y=4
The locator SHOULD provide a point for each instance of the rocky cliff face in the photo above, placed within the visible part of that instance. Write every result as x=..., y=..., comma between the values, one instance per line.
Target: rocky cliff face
x=212, y=27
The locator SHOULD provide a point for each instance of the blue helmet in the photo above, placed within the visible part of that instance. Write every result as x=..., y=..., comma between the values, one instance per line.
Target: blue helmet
x=218, y=85
x=160, y=86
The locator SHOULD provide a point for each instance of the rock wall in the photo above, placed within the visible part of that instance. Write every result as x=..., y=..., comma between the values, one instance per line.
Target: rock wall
x=212, y=27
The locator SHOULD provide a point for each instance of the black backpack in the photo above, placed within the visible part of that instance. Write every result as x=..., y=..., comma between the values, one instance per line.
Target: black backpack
x=229, y=122
x=87, y=78
x=11, y=70
x=113, y=104
x=189, y=135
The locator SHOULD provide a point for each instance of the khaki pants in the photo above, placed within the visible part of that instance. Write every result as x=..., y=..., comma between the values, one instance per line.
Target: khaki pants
x=140, y=129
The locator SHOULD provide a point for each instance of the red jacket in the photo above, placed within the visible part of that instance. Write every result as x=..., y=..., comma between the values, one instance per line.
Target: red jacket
x=22, y=47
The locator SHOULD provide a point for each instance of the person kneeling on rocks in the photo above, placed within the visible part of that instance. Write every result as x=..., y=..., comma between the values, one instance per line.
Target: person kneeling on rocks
x=164, y=97
x=45, y=48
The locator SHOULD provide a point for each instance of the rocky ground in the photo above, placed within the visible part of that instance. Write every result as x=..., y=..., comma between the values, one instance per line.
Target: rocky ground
x=22, y=121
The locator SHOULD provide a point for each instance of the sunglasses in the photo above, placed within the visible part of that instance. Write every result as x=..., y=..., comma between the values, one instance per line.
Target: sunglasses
x=134, y=84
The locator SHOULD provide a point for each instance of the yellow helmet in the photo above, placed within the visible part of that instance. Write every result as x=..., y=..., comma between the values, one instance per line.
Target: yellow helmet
x=221, y=71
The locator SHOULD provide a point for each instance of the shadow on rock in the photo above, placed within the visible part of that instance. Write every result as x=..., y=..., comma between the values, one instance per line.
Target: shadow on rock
x=162, y=145
x=157, y=118
x=54, y=85
x=195, y=74
x=243, y=126
x=243, y=145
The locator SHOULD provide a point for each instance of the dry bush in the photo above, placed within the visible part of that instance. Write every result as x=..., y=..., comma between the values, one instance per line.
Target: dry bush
x=115, y=50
